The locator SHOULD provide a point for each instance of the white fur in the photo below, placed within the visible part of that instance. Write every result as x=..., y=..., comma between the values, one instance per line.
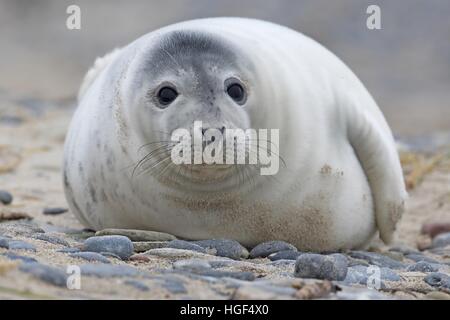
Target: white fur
x=343, y=180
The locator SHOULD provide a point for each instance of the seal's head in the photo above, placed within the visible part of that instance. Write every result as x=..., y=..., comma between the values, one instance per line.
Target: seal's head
x=182, y=77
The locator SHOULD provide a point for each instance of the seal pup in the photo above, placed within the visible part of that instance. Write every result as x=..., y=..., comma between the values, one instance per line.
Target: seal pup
x=341, y=181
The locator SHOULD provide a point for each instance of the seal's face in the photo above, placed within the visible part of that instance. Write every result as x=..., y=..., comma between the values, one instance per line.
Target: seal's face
x=187, y=77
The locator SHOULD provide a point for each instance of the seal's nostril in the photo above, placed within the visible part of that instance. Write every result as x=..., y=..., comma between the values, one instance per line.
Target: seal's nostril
x=222, y=129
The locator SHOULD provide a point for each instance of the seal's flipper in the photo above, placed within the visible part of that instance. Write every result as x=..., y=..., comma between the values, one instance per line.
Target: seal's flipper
x=100, y=64
x=376, y=151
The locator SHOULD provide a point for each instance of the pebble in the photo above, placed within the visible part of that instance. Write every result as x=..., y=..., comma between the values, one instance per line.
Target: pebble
x=137, y=235
x=68, y=250
x=54, y=211
x=325, y=267
x=441, y=240
x=420, y=257
x=119, y=245
x=404, y=249
x=186, y=245
x=225, y=248
x=437, y=279
x=377, y=259
x=423, y=266
x=5, y=197
x=177, y=253
x=263, y=292
x=285, y=255
x=174, y=286
x=110, y=255
x=191, y=264
x=435, y=228
x=13, y=256
x=90, y=256
x=137, y=284
x=109, y=270
x=52, y=239
x=282, y=263
x=438, y=295
x=265, y=249
x=45, y=273
x=21, y=245
x=4, y=243
x=142, y=246
x=241, y=275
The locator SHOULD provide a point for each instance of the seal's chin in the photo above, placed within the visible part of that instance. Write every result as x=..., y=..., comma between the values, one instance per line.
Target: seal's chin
x=207, y=172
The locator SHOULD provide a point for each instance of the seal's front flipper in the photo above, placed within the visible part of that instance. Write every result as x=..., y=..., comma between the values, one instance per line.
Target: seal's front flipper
x=375, y=148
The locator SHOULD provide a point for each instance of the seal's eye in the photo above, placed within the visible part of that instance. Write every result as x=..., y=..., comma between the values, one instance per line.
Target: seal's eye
x=166, y=95
x=236, y=92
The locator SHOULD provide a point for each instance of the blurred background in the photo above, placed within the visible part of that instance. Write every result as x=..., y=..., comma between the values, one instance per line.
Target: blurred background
x=405, y=65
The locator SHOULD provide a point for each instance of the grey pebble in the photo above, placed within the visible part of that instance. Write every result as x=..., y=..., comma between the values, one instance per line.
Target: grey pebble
x=224, y=248
x=265, y=249
x=423, y=266
x=137, y=235
x=109, y=270
x=45, y=273
x=137, y=284
x=282, y=263
x=21, y=245
x=119, y=245
x=441, y=240
x=174, y=286
x=186, y=245
x=68, y=250
x=285, y=255
x=437, y=279
x=191, y=264
x=325, y=267
x=420, y=257
x=54, y=211
x=51, y=239
x=404, y=249
x=142, y=246
x=377, y=259
x=241, y=275
x=4, y=243
x=90, y=256
x=5, y=197
x=110, y=255
x=13, y=256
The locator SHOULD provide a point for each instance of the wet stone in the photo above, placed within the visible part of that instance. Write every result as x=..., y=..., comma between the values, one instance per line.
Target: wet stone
x=109, y=270
x=185, y=245
x=51, y=239
x=137, y=235
x=285, y=255
x=377, y=259
x=54, y=211
x=441, y=240
x=437, y=279
x=90, y=256
x=225, y=248
x=45, y=273
x=119, y=245
x=317, y=266
x=423, y=266
x=267, y=248
x=5, y=197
